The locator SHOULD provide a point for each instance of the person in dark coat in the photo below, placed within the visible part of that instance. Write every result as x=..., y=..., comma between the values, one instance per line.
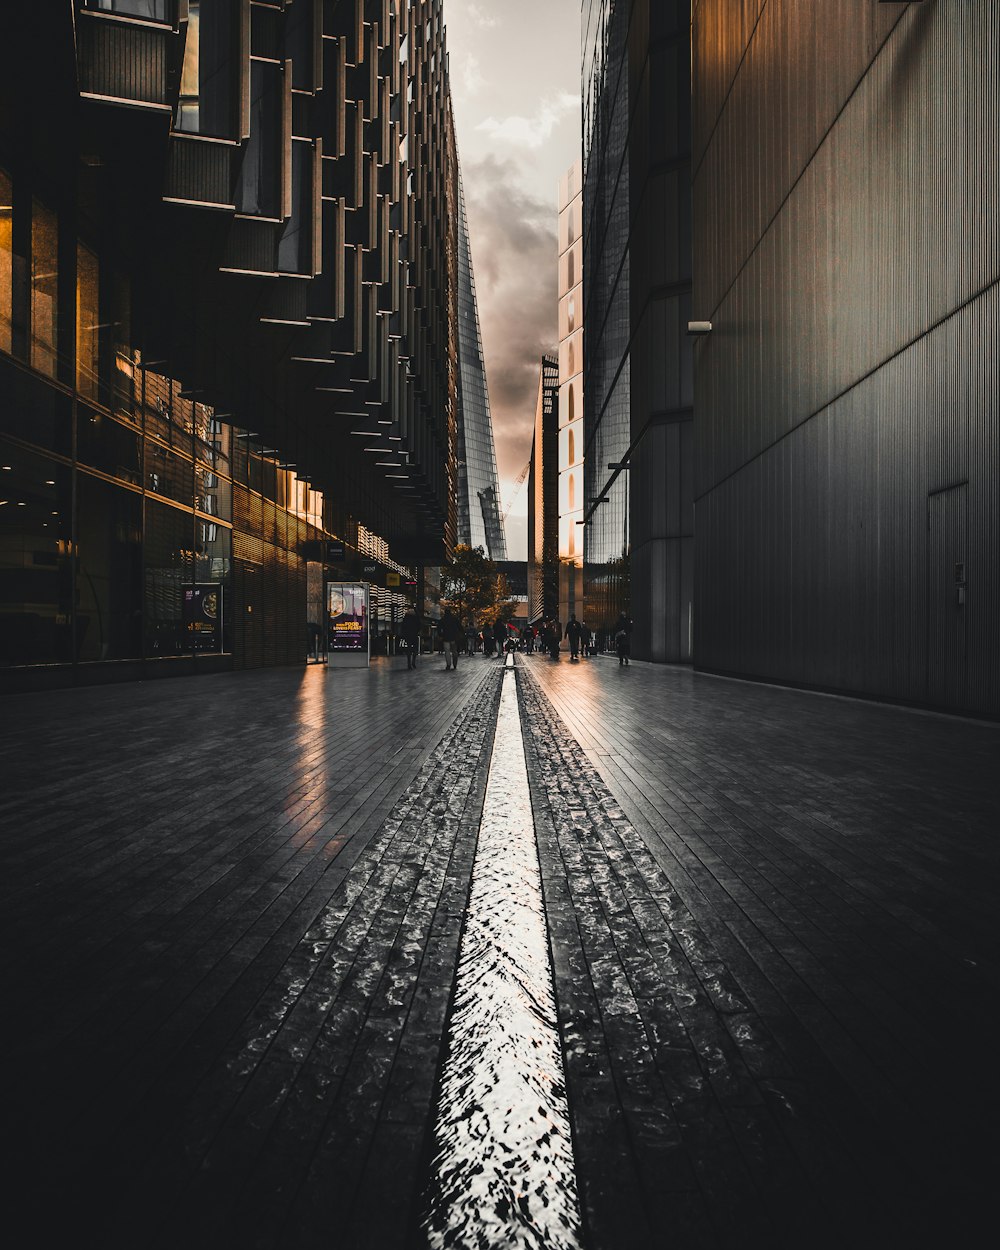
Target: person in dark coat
x=487, y=639
x=586, y=639
x=555, y=638
x=623, y=639
x=451, y=633
x=574, y=632
x=409, y=631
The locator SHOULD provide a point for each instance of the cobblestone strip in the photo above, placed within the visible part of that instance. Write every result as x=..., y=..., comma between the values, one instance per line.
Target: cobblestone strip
x=690, y=1128
x=311, y=1122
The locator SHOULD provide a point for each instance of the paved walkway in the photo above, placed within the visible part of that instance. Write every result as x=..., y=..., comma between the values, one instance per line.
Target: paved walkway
x=232, y=908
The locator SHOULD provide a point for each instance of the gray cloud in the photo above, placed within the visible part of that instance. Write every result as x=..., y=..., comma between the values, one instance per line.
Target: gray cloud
x=514, y=252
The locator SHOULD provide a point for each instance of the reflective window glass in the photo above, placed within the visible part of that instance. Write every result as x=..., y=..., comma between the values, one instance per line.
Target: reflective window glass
x=6, y=260
x=87, y=322
x=108, y=571
x=35, y=566
x=44, y=288
x=152, y=10
x=206, y=102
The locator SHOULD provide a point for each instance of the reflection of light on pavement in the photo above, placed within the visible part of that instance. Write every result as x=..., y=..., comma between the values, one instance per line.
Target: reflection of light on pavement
x=503, y=1173
x=311, y=731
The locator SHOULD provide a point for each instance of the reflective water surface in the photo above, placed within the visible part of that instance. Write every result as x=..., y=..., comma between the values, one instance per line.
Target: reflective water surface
x=503, y=1173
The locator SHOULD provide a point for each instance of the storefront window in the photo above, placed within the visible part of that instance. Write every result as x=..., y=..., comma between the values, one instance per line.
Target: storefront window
x=44, y=288
x=35, y=559
x=108, y=572
x=87, y=322
x=6, y=260
x=169, y=568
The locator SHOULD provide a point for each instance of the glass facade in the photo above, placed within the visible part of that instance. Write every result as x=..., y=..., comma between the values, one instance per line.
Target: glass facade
x=606, y=374
x=571, y=436
x=479, y=523
x=124, y=502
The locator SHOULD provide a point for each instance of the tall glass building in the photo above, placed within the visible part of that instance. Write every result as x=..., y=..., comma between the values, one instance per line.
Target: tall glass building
x=607, y=372
x=228, y=327
x=638, y=400
x=478, y=521
x=570, y=395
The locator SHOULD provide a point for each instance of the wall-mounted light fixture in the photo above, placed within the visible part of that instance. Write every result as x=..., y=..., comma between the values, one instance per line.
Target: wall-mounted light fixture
x=696, y=328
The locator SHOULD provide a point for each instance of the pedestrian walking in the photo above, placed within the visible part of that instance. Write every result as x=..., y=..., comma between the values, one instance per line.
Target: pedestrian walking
x=586, y=640
x=623, y=639
x=451, y=631
x=555, y=638
x=574, y=633
x=409, y=631
x=487, y=639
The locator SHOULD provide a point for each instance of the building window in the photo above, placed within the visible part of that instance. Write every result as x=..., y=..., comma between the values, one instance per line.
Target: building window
x=87, y=322
x=571, y=315
x=572, y=439
x=152, y=10
x=571, y=265
x=572, y=359
x=572, y=493
x=6, y=261
x=44, y=288
x=205, y=105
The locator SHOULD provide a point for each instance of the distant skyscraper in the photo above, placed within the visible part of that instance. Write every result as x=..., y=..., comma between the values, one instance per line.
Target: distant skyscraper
x=571, y=394
x=543, y=498
x=479, y=520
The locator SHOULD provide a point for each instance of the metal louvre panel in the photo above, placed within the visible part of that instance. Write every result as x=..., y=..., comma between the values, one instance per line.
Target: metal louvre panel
x=122, y=61
x=199, y=172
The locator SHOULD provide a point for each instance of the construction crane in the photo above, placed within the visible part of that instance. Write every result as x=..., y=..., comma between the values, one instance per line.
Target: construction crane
x=518, y=483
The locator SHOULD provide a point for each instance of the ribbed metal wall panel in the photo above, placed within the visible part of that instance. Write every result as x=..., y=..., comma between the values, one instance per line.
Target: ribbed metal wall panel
x=200, y=171
x=123, y=62
x=847, y=252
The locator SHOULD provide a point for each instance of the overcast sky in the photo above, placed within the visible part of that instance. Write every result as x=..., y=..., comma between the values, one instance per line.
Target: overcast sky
x=515, y=82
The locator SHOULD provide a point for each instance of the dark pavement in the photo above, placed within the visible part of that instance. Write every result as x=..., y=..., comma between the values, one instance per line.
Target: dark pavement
x=232, y=908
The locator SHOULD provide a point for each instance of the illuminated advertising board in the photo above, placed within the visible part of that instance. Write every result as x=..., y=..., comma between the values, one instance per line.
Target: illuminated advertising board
x=347, y=617
x=201, y=614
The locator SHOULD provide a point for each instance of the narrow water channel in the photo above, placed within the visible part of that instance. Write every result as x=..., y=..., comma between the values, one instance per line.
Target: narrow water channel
x=503, y=1171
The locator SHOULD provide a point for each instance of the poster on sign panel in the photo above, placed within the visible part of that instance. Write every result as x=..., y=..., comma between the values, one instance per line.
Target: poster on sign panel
x=347, y=624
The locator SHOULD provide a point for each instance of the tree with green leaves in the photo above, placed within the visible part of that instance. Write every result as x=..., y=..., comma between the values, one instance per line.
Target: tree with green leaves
x=474, y=589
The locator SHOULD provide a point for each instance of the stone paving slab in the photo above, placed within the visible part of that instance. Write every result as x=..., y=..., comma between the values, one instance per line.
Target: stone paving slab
x=232, y=909
x=773, y=925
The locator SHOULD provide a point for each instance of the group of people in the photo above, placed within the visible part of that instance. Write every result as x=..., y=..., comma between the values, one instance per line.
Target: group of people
x=497, y=639
x=577, y=634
